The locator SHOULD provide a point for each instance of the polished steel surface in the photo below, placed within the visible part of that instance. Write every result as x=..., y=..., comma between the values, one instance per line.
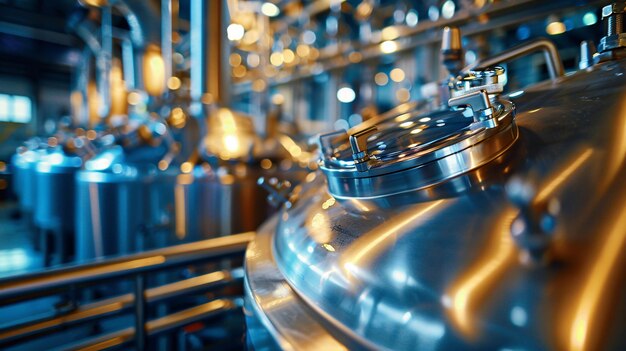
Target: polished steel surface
x=418, y=149
x=272, y=308
x=467, y=263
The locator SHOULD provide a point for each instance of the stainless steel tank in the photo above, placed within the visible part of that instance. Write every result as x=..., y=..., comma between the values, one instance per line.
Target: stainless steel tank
x=24, y=163
x=54, y=179
x=220, y=194
x=497, y=223
x=124, y=201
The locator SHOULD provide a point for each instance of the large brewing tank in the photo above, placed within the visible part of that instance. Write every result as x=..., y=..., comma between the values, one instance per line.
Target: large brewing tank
x=124, y=201
x=54, y=210
x=220, y=194
x=503, y=230
x=23, y=164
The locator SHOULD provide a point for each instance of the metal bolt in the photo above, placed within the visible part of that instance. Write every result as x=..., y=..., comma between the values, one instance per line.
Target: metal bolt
x=614, y=16
x=587, y=49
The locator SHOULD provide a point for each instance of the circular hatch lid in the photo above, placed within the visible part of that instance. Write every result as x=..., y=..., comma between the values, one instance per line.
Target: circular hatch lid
x=415, y=150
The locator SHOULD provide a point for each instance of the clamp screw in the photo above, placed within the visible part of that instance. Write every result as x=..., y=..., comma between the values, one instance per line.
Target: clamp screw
x=358, y=143
x=278, y=190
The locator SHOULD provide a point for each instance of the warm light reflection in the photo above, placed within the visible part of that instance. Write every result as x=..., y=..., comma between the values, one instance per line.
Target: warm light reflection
x=381, y=79
x=388, y=47
x=563, y=175
x=466, y=294
x=235, y=32
x=180, y=211
x=585, y=325
x=397, y=75
x=153, y=71
x=173, y=83
x=556, y=27
x=596, y=284
x=230, y=136
x=367, y=247
x=117, y=89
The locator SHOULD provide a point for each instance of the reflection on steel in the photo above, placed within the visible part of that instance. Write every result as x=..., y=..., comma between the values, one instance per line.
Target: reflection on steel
x=470, y=290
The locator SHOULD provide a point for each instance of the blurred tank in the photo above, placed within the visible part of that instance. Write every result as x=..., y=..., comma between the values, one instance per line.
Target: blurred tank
x=219, y=194
x=496, y=222
x=54, y=211
x=24, y=162
x=125, y=202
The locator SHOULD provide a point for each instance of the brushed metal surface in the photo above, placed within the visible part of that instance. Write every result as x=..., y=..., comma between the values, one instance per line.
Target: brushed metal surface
x=441, y=269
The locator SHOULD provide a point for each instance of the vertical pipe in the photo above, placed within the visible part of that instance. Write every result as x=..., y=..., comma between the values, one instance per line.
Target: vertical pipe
x=83, y=83
x=140, y=312
x=104, y=64
x=197, y=50
x=166, y=38
x=219, y=77
x=128, y=64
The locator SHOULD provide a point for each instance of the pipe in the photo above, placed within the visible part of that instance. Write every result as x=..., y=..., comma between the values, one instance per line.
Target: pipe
x=103, y=63
x=198, y=48
x=166, y=38
x=553, y=59
x=208, y=71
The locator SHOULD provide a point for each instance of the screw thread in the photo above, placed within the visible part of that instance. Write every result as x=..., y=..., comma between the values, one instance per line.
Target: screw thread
x=615, y=24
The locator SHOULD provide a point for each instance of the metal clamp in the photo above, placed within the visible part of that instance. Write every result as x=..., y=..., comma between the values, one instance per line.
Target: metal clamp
x=278, y=191
x=478, y=101
x=487, y=79
x=358, y=143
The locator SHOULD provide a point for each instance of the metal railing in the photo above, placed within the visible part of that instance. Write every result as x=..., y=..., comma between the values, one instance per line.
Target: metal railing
x=137, y=268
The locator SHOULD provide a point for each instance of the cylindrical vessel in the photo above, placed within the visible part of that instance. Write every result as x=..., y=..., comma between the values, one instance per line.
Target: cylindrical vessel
x=505, y=232
x=124, y=208
x=54, y=180
x=24, y=179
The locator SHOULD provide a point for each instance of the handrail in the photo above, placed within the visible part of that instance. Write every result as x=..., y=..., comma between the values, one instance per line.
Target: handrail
x=21, y=287
x=111, y=306
x=156, y=326
x=553, y=59
x=135, y=267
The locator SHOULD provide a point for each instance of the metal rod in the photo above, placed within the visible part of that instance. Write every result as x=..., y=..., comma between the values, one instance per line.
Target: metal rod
x=22, y=287
x=166, y=37
x=104, y=63
x=157, y=326
x=198, y=47
x=553, y=59
x=141, y=338
x=118, y=304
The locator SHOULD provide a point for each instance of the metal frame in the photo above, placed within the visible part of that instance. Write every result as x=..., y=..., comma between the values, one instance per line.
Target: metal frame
x=135, y=267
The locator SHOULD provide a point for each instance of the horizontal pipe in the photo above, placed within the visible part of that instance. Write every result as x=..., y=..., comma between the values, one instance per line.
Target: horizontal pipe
x=107, y=307
x=21, y=287
x=157, y=326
